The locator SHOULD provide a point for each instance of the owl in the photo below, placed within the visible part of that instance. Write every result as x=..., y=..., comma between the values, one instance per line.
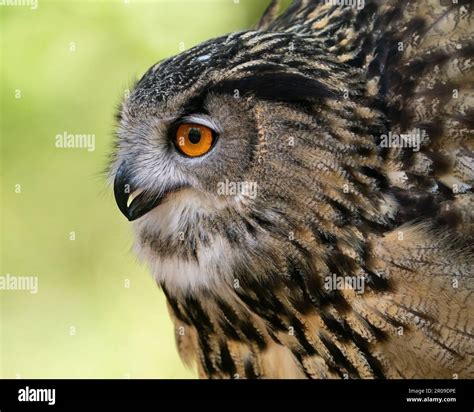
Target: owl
x=302, y=192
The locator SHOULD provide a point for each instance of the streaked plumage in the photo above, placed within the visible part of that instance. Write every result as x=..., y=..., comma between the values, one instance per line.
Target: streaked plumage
x=302, y=105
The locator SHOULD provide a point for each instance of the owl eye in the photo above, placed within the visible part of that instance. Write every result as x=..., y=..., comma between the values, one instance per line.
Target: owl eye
x=194, y=140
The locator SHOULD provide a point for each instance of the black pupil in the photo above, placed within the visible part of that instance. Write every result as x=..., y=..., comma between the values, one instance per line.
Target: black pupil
x=194, y=136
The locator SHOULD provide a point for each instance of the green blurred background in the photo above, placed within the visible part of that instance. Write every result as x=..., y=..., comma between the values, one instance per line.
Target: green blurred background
x=64, y=68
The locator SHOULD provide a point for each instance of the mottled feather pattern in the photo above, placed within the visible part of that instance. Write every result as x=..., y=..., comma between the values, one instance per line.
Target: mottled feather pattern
x=320, y=85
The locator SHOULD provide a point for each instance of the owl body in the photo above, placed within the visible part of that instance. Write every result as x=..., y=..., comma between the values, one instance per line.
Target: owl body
x=326, y=229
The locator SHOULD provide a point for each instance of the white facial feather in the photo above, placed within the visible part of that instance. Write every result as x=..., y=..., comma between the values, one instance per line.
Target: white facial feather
x=180, y=211
x=204, y=120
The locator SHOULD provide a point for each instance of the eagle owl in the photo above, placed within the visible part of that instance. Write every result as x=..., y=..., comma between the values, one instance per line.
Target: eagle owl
x=302, y=192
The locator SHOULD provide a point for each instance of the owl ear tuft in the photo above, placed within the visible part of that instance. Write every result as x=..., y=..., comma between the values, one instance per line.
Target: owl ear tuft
x=279, y=86
x=269, y=15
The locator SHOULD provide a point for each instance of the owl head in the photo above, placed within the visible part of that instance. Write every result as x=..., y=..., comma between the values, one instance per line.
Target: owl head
x=216, y=153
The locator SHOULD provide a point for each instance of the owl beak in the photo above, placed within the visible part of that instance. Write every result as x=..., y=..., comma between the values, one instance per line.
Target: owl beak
x=133, y=202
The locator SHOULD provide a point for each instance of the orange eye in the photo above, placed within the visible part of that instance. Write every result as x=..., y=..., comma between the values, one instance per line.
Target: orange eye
x=194, y=140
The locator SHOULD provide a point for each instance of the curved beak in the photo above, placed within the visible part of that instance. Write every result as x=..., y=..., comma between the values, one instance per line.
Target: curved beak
x=131, y=206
